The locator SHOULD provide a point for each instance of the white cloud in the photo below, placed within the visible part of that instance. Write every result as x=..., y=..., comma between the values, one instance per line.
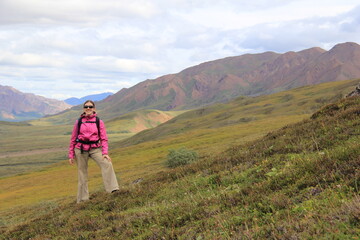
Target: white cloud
x=294, y=35
x=30, y=60
x=103, y=63
x=89, y=12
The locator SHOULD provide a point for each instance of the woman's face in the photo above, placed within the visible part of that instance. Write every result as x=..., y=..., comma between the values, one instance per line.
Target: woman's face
x=89, y=108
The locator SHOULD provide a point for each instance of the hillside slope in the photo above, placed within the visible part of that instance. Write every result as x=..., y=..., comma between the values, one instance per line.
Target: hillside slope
x=299, y=182
x=140, y=120
x=208, y=131
x=261, y=110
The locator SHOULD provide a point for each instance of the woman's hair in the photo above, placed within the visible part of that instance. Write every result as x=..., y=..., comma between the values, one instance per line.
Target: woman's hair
x=90, y=101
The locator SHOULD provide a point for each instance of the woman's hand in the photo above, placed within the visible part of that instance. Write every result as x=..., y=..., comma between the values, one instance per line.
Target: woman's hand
x=107, y=157
x=71, y=161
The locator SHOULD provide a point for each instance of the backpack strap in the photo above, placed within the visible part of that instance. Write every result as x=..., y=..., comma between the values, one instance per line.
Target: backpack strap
x=78, y=127
x=98, y=125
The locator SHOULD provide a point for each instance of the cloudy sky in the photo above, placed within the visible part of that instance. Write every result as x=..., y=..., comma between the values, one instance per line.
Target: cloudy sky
x=72, y=48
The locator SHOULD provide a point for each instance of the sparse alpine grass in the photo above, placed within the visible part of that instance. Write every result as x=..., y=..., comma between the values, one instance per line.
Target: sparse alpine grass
x=299, y=182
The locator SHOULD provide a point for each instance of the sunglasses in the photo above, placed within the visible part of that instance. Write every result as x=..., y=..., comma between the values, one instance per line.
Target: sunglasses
x=88, y=106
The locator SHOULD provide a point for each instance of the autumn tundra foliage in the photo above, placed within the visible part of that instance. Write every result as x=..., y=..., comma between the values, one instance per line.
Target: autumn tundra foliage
x=298, y=182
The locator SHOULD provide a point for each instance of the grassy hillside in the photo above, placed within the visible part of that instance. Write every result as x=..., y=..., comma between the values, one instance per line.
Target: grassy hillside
x=26, y=147
x=140, y=120
x=223, y=126
x=298, y=182
x=254, y=114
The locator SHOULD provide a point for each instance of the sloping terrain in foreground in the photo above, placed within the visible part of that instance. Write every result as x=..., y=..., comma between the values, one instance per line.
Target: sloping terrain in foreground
x=299, y=182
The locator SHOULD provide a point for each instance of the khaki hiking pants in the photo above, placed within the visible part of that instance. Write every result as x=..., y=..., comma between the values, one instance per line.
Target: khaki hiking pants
x=107, y=171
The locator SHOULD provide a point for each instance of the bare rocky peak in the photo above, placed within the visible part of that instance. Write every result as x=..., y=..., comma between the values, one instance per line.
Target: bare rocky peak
x=345, y=52
x=243, y=63
x=311, y=53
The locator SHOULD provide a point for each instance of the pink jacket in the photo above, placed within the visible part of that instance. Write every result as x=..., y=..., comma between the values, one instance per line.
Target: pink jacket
x=88, y=132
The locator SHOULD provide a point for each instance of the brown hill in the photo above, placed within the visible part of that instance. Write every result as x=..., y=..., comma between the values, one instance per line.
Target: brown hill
x=249, y=74
x=17, y=106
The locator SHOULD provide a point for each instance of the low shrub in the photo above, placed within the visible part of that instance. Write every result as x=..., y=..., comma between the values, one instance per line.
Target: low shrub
x=180, y=157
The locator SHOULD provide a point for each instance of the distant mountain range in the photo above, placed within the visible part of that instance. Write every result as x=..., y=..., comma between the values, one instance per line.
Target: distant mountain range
x=224, y=79
x=18, y=106
x=95, y=97
x=245, y=75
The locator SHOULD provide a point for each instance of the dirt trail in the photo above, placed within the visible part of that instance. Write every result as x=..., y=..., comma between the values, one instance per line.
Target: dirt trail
x=31, y=152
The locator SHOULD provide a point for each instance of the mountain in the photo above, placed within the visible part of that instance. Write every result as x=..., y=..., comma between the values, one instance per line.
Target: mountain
x=95, y=97
x=19, y=106
x=224, y=79
x=253, y=114
x=245, y=75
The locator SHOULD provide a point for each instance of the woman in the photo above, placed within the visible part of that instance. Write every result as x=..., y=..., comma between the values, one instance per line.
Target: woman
x=89, y=139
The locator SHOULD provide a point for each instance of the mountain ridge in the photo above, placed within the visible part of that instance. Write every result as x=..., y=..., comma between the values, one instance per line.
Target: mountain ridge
x=245, y=75
x=19, y=106
x=94, y=97
x=227, y=78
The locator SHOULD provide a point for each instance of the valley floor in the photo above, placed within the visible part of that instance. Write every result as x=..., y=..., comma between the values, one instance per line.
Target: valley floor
x=31, y=152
